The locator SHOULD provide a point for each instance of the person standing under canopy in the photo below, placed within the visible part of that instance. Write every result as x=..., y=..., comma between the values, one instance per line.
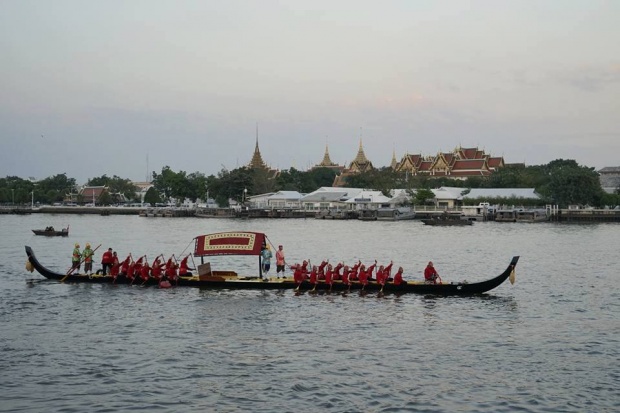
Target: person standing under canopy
x=280, y=261
x=266, y=258
x=430, y=274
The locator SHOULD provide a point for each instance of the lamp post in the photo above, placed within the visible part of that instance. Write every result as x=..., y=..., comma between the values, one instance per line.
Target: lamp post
x=13, y=193
x=245, y=191
x=32, y=200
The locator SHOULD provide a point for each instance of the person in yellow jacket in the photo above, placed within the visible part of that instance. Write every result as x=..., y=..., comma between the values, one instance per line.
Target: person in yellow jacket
x=87, y=256
x=76, y=257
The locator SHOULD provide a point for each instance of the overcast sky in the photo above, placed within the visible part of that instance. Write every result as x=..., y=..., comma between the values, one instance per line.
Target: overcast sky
x=96, y=87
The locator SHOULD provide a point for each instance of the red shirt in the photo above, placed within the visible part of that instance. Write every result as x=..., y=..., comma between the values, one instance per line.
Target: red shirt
x=430, y=273
x=115, y=267
x=106, y=258
x=398, y=278
x=328, y=277
x=313, y=276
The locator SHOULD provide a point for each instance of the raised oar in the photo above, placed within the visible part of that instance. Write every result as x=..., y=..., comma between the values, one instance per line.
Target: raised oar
x=81, y=262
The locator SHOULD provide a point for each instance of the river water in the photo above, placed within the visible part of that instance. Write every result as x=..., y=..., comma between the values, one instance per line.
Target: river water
x=548, y=343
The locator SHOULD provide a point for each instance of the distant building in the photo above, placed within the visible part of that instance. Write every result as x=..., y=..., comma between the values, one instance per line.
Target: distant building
x=461, y=163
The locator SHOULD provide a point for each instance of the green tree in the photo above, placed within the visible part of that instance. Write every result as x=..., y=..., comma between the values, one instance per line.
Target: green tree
x=570, y=184
x=423, y=196
x=152, y=196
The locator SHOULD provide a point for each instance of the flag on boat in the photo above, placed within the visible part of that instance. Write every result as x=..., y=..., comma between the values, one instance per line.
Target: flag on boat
x=229, y=243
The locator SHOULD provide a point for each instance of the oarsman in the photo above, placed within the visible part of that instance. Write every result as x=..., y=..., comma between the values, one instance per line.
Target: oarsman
x=137, y=269
x=184, y=269
x=87, y=256
x=345, y=275
x=336, y=273
x=383, y=273
x=314, y=275
x=171, y=270
x=398, y=277
x=156, y=268
x=145, y=271
x=115, y=268
x=125, y=266
x=329, y=275
x=131, y=270
x=106, y=261
x=321, y=272
x=76, y=258
x=430, y=274
x=354, y=270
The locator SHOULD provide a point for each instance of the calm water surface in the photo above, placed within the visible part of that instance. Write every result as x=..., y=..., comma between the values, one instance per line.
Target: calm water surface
x=549, y=343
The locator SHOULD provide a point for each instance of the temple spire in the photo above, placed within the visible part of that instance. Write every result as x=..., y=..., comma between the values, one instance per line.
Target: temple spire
x=257, y=159
x=326, y=159
x=360, y=158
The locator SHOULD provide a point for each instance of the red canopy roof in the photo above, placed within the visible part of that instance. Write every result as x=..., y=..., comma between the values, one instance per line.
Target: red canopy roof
x=229, y=243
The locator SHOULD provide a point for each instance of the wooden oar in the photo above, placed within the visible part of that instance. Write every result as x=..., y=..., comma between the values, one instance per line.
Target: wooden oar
x=73, y=267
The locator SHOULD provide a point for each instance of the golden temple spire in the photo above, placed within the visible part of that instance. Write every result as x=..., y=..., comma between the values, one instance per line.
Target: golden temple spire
x=326, y=159
x=257, y=159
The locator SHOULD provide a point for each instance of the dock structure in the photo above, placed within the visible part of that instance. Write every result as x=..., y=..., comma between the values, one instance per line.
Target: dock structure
x=585, y=215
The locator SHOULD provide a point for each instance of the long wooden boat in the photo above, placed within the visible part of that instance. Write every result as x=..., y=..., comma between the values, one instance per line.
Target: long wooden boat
x=51, y=232
x=250, y=243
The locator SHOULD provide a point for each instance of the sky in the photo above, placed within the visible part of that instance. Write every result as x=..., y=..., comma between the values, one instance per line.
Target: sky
x=125, y=88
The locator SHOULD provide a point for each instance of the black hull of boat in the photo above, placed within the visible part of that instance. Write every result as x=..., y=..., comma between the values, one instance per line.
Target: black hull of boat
x=255, y=283
x=446, y=222
x=51, y=233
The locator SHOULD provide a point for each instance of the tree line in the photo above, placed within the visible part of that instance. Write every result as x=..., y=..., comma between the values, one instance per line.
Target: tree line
x=560, y=182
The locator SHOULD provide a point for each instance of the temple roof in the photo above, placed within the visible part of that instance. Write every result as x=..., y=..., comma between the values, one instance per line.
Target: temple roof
x=360, y=158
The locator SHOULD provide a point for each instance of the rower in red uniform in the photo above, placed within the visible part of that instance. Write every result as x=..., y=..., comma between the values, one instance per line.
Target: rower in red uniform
x=156, y=268
x=398, y=277
x=125, y=265
x=171, y=270
x=314, y=275
x=345, y=275
x=321, y=273
x=184, y=269
x=137, y=269
x=329, y=276
x=116, y=266
x=337, y=268
x=430, y=274
x=354, y=271
x=145, y=271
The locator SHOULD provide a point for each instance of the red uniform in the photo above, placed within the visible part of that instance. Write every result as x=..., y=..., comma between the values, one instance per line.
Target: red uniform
x=329, y=275
x=156, y=268
x=337, y=275
x=184, y=268
x=116, y=266
x=145, y=271
x=398, y=277
x=430, y=274
x=125, y=265
x=314, y=275
x=321, y=274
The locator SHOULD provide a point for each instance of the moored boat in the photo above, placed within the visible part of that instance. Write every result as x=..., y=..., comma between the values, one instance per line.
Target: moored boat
x=51, y=232
x=446, y=222
x=250, y=243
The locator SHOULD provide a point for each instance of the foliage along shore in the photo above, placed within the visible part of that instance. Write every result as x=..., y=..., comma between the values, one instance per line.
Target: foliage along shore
x=560, y=182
